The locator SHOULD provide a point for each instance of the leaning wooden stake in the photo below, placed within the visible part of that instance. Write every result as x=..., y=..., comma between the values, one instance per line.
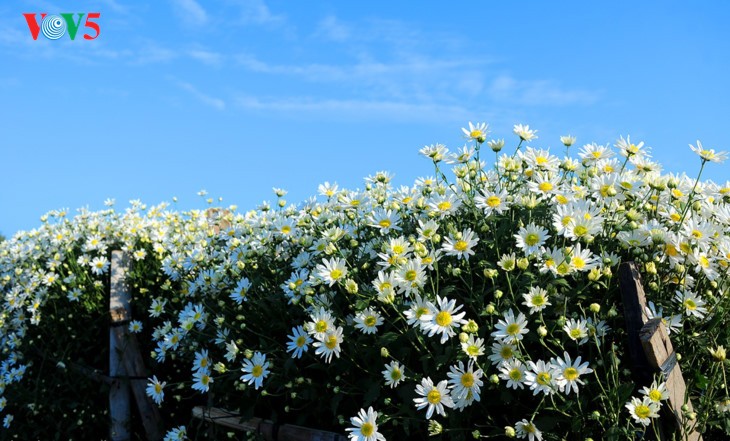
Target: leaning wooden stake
x=268, y=430
x=650, y=348
x=661, y=356
x=126, y=353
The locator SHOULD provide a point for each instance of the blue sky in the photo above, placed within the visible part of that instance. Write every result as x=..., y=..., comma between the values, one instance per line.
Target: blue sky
x=239, y=96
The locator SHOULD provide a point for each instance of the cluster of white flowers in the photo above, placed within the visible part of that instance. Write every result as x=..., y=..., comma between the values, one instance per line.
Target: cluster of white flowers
x=487, y=260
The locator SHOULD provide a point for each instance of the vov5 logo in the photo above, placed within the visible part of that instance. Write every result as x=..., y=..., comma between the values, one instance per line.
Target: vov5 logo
x=54, y=26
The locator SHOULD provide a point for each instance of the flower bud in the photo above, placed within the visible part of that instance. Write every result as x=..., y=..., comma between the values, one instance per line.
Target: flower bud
x=384, y=352
x=463, y=337
x=595, y=308
x=471, y=327
x=510, y=432
x=542, y=331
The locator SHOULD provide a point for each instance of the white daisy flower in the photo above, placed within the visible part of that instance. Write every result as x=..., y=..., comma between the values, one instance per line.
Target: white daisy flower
x=365, y=427
x=511, y=329
x=393, y=374
x=435, y=397
x=255, y=370
x=443, y=318
x=368, y=321
x=531, y=238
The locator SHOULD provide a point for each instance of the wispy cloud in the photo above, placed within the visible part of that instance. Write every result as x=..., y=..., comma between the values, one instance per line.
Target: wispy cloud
x=190, y=12
x=151, y=53
x=354, y=108
x=257, y=12
x=332, y=28
x=206, y=99
x=538, y=92
x=206, y=57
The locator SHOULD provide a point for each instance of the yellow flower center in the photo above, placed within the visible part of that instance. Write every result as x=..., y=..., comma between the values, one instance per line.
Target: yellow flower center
x=570, y=373
x=467, y=380
x=575, y=333
x=541, y=160
x=545, y=186
x=321, y=326
x=398, y=249
x=515, y=374
x=301, y=341
x=257, y=371
x=690, y=304
x=642, y=411
x=506, y=352
x=561, y=199
x=395, y=374
x=443, y=318
x=543, y=378
x=420, y=311
x=578, y=262
x=460, y=245
x=493, y=201
x=538, y=300
x=532, y=239
x=331, y=342
x=566, y=220
x=704, y=262
x=580, y=230
x=563, y=269
x=476, y=134
x=513, y=329
x=596, y=154
x=367, y=429
x=286, y=229
x=670, y=250
x=370, y=321
x=203, y=362
x=336, y=274
x=443, y=206
x=411, y=275
x=158, y=388
x=472, y=350
x=434, y=397
x=385, y=223
x=655, y=395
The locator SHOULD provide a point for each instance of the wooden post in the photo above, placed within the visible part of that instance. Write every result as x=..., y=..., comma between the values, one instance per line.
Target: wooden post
x=119, y=404
x=128, y=358
x=268, y=430
x=634, y=303
x=661, y=356
x=216, y=217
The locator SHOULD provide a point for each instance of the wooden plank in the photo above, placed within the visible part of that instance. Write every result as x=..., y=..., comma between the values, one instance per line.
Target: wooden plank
x=660, y=354
x=127, y=356
x=267, y=429
x=119, y=399
x=634, y=303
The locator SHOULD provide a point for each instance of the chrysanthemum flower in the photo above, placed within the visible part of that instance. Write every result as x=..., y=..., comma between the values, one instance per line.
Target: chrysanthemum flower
x=365, y=427
x=435, y=397
x=255, y=370
x=643, y=410
x=393, y=374
x=443, y=317
x=511, y=329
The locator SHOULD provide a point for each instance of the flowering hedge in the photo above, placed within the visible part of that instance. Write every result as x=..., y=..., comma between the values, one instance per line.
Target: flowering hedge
x=481, y=305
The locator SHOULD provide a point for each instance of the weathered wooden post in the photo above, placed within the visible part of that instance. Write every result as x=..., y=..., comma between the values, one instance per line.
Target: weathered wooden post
x=125, y=356
x=119, y=404
x=660, y=353
x=651, y=350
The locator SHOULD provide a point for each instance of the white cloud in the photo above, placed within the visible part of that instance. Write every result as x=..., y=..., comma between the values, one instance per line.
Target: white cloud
x=354, y=108
x=190, y=12
x=538, y=92
x=206, y=57
x=257, y=12
x=333, y=29
x=208, y=100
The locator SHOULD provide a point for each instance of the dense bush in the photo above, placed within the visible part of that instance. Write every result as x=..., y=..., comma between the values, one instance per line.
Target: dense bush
x=478, y=306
